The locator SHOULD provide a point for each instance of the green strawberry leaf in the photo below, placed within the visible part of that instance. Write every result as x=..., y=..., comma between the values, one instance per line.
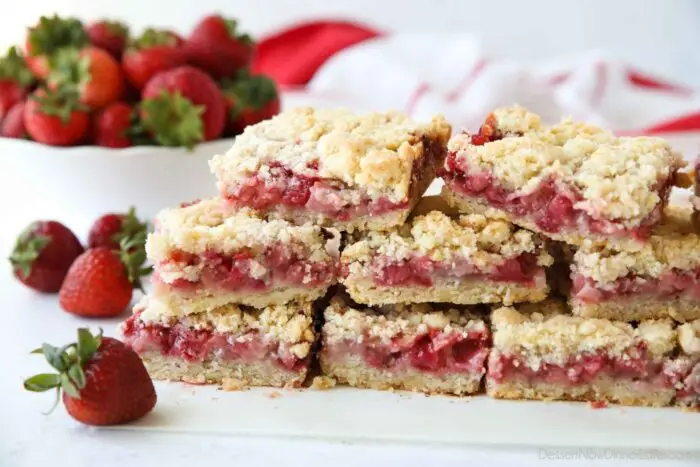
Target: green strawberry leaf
x=54, y=33
x=61, y=102
x=173, y=120
x=152, y=37
x=12, y=66
x=42, y=382
x=249, y=92
x=27, y=249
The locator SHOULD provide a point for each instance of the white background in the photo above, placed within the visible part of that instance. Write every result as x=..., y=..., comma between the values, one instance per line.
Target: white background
x=659, y=35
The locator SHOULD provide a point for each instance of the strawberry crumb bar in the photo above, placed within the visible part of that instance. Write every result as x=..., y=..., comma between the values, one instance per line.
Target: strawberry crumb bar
x=549, y=355
x=332, y=167
x=414, y=347
x=684, y=371
x=466, y=260
x=206, y=255
x=230, y=345
x=660, y=280
x=572, y=182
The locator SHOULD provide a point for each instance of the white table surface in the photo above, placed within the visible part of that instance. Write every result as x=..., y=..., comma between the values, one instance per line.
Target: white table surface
x=30, y=439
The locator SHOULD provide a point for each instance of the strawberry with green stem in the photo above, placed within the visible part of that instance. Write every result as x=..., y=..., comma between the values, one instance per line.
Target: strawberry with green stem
x=49, y=36
x=91, y=72
x=111, y=229
x=249, y=100
x=182, y=107
x=101, y=380
x=152, y=52
x=15, y=80
x=56, y=117
x=43, y=253
x=101, y=281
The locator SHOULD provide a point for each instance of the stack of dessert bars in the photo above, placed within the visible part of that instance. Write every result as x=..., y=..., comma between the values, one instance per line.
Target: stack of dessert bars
x=551, y=266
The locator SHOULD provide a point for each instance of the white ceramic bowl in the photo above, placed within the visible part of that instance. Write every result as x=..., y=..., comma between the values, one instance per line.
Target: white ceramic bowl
x=76, y=185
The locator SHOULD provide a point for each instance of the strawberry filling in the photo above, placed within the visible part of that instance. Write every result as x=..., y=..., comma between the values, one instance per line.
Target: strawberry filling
x=422, y=271
x=635, y=365
x=197, y=345
x=277, y=265
x=552, y=206
x=281, y=186
x=672, y=284
x=433, y=352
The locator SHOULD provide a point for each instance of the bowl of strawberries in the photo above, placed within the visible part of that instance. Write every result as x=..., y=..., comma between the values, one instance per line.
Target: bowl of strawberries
x=93, y=118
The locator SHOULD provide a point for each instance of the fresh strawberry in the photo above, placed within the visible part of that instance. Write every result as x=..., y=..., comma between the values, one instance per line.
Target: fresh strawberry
x=182, y=107
x=217, y=47
x=43, y=254
x=154, y=51
x=250, y=99
x=13, y=124
x=93, y=73
x=111, y=229
x=112, y=126
x=15, y=79
x=111, y=36
x=104, y=382
x=100, y=282
x=56, y=117
x=50, y=35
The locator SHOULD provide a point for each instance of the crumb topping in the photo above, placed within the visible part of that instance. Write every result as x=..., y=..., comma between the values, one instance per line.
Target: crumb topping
x=481, y=241
x=212, y=226
x=556, y=338
x=689, y=337
x=291, y=324
x=618, y=178
x=672, y=245
x=346, y=322
x=374, y=151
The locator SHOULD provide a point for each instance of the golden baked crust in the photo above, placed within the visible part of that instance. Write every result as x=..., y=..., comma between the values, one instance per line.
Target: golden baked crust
x=483, y=242
x=556, y=338
x=673, y=245
x=618, y=178
x=346, y=321
x=689, y=338
x=374, y=152
x=291, y=324
x=640, y=308
x=211, y=225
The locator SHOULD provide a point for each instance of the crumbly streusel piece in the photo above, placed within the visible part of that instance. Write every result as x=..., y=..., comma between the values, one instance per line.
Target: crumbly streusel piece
x=659, y=280
x=684, y=371
x=207, y=255
x=435, y=258
x=414, y=347
x=257, y=347
x=572, y=182
x=332, y=167
x=555, y=356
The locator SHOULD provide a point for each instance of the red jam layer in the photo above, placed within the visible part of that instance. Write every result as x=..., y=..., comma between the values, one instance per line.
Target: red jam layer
x=282, y=186
x=672, y=284
x=635, y=365
x=197, y=345
x=421, y=271
x=551, y=206
x=434, y=352
x=234, y=272
x=684, y=375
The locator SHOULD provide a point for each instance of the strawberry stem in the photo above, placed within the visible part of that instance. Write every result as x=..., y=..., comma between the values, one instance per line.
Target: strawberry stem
x=152, y=37
x=27, y=250
x=60, y=103
x=12, y=66
x=173, y=120
x=54, y=33
x=70, y=71
x=68, y=361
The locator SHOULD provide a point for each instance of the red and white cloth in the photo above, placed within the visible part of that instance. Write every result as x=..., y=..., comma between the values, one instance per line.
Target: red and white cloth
x=329, y=63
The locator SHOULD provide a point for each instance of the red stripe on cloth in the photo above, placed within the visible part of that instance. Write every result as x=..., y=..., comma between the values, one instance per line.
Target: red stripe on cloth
x=686, y=123
x=645, y=81
x=292, y=56
x=467, y=81
x=601, y=74
x=420, y=91
x=556, y=80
